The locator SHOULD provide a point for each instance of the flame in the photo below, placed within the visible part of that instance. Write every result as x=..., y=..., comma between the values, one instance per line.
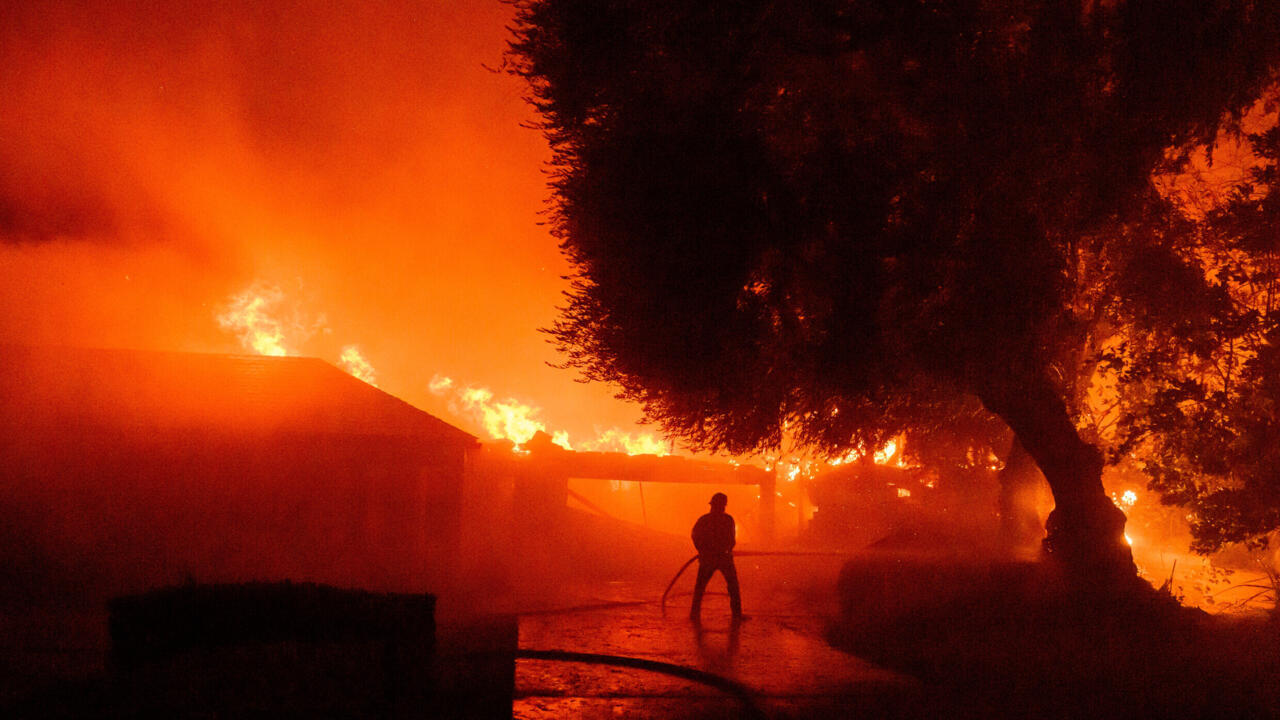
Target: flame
x=886, y=453
x=615, y=440
x=516, y=421
x=850, y=456
x=507, y=419
x=502, y=419
x=250, y=314
x=259, y=318
x=561, y=438
x=357, y=366
x=889, y=454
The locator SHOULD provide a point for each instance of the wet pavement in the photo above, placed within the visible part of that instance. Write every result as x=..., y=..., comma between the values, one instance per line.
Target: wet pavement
x=778, y=657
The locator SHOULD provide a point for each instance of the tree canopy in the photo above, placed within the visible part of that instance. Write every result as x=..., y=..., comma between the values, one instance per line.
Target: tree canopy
x=1202, y=413
x=818, y=219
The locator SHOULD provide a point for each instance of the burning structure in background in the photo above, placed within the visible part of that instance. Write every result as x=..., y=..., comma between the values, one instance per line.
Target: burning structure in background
x=130, y=469
x=516, y=421
x=850, y=501
x=165, y=166
x=267, y=322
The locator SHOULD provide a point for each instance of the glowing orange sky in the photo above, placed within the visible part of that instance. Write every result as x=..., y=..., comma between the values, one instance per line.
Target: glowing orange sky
x=156, y=159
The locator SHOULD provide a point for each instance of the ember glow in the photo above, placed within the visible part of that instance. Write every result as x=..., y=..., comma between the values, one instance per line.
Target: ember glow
x=1125, y=500
x=268, y=322
x=888, y=454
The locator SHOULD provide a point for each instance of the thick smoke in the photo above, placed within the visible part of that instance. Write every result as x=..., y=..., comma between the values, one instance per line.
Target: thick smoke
x=158, y=158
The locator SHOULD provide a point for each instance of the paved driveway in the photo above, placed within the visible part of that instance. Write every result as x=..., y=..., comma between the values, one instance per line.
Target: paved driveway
x=777, y=655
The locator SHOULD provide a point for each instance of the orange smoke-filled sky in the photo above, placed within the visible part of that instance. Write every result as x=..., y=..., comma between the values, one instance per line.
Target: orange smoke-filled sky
x=363, y=158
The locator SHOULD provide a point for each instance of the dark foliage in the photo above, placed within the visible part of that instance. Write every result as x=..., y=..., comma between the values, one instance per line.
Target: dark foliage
x=1011, y=640
x=822, y=220
x=1203, y=413
x=778, y=211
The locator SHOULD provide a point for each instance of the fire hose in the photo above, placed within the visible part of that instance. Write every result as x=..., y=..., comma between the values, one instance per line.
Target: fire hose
x=738, y=691
x=718, y=682
x=748, y=553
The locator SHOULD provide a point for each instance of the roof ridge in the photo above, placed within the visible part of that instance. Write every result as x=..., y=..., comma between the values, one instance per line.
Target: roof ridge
x=179, y=388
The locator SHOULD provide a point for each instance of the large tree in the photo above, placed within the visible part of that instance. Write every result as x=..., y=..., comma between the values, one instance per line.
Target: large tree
x=811, y=219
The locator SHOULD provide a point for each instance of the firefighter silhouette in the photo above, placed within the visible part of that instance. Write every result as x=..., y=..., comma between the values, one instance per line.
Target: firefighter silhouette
x=714, y=535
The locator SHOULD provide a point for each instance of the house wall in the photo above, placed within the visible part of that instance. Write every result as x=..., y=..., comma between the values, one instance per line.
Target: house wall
x=93, y=512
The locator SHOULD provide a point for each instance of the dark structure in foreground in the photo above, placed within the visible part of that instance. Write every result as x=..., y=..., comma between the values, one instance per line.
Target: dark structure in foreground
x=270, y=649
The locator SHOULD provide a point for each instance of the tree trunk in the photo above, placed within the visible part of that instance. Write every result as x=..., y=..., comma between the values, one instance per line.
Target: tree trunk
x=1020, y=527
x=1085, y=531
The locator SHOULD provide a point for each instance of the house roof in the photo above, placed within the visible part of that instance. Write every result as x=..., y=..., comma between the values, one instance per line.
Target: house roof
x=238, y=393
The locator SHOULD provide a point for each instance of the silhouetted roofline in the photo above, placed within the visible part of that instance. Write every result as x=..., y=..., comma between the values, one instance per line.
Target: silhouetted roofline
x=67, y=384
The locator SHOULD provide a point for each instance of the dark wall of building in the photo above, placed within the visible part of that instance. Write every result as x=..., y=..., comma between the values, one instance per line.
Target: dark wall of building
x=91, y=512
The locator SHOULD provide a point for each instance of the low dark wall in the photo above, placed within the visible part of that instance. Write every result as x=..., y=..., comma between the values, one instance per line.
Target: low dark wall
x=277, y=649
x=159, y=624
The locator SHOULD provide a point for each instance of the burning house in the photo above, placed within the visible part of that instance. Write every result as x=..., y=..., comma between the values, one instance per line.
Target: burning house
x=126, y=469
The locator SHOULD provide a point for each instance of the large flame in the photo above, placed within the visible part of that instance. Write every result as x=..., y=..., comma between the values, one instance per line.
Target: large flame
x=615, y=440
x=507, y=419
x=252, y=315
x=502, y=419
x=511, y=419
x=260, y=317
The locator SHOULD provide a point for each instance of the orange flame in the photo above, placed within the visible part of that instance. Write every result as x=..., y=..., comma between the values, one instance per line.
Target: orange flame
x=889, y=454
x=615, y=440
x=509, y=419
x=886, y=453
x=357, y=366
x=259, y=319
x=513, y=420
x=250, y=314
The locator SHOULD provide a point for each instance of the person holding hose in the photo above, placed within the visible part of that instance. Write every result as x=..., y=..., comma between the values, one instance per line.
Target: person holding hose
x=714, y=535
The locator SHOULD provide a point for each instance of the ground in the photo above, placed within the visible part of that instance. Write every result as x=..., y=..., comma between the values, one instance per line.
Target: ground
x=940, y=637
x=931, y=637
x=779, y=655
